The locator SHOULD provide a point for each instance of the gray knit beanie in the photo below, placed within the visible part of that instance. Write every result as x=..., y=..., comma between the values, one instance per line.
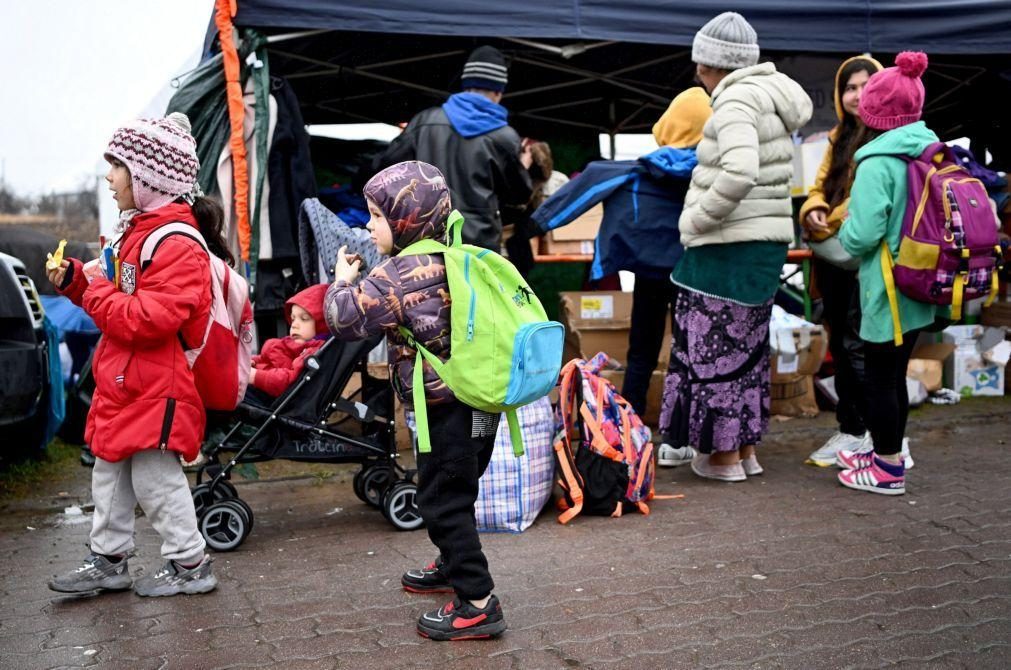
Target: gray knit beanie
x=727, y=42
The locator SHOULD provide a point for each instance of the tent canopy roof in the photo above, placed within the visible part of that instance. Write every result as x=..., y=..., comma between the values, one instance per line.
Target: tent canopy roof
x=579, y=67
x=844, y=26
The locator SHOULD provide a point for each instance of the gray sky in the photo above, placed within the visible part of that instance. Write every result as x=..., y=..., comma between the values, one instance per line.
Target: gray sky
x=76, y=69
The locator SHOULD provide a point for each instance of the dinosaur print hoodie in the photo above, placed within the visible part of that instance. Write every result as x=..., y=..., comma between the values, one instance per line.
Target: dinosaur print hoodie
x=412, y=290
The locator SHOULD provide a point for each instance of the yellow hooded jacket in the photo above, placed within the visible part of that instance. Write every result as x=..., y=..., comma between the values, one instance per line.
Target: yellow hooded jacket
x=816, y=196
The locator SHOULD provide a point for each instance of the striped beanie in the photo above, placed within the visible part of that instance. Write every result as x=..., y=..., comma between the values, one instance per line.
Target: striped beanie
x=161, y=156
x=486, y=70
x=727, y=42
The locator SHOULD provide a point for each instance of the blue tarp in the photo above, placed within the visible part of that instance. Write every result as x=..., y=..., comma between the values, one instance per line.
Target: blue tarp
x=66, y=316
x=841, y=26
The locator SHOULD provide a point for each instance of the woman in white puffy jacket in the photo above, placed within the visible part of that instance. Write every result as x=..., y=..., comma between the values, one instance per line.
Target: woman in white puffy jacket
x=736, y=226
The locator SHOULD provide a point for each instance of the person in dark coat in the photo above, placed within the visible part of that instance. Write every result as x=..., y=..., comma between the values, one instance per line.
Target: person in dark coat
x=639, y=233
x=469, y=139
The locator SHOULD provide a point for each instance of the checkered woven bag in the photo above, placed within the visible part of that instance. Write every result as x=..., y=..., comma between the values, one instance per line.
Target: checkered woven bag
x=514, y=489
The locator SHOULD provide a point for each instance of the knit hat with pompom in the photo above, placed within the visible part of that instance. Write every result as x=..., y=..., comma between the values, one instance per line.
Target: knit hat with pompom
x=893, y=97
x=161, y=156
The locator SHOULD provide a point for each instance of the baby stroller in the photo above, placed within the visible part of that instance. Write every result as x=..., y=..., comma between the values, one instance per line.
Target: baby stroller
x=311, y=422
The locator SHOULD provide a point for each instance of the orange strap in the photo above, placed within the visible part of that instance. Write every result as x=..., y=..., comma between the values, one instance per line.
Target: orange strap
x=599, y=443
x=575, y=492
x=224, y=11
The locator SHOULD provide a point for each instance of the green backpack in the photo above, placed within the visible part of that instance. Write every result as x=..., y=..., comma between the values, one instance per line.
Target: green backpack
x=504, y=353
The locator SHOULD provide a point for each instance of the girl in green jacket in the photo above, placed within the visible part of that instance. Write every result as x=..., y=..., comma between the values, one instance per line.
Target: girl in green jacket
x=890, y=107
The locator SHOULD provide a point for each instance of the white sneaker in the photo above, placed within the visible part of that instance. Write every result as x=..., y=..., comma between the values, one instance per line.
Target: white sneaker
x=670, y=457
x=825, y=455
x=905, y=454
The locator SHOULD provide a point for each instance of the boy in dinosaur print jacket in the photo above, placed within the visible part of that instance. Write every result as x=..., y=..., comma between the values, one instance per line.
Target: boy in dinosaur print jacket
x=409, y=202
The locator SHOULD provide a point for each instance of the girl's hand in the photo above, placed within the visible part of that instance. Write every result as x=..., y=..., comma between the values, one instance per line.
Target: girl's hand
x=57, y=275
x=347, y=267
x=815, y=221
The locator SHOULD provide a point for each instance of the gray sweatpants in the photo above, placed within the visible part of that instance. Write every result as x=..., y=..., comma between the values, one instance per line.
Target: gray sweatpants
x=155, y=479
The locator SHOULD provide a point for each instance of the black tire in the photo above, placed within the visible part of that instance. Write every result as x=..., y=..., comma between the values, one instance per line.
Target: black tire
x=224, y=526
x=203, y=498
x=400, y=506
x=375, y=481
x=241, y=505
x=357, y=484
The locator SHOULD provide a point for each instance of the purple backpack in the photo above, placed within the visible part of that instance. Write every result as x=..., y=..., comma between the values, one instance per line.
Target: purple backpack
x=949, y=251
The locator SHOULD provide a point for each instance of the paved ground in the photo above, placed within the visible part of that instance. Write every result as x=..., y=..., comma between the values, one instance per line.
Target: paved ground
x=785, y=570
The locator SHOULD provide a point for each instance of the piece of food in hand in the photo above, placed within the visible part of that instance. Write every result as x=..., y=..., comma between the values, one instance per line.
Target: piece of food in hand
x=55, y=259
x=92, y=270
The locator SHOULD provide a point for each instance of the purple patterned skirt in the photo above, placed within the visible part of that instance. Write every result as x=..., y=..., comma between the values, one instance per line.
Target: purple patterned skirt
x=716, y=395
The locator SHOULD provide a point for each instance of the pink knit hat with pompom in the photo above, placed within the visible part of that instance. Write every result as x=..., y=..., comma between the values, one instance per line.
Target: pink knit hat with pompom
x=894, y=96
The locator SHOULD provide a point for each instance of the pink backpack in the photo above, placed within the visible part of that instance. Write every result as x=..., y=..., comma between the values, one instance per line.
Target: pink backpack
x=949, y=251
x=222, y=360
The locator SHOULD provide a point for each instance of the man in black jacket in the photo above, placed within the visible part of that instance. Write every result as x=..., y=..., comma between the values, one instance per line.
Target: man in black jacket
x=469, y=139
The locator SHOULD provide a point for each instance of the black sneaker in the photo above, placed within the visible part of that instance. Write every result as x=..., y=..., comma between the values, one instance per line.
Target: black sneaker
x=458, y=620
x=427, y=580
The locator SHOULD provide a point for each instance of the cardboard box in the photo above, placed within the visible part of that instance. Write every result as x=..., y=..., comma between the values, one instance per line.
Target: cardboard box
x=596, y=321
x=809, y=347
x=977, y=365
x=998, y=314
x=577, y=237
x=599, y=321
x=793, y=395
x=927, y=364
x=654, y=395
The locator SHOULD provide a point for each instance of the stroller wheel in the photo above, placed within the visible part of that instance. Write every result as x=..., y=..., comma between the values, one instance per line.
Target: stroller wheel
x=203, y=498
x=246, y=509
x=400, y=506
x=224, y=526
x=358, y=484
x=375, y=481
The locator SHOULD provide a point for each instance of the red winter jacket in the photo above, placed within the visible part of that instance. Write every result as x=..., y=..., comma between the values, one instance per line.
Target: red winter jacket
x=281, y=360
x=145, y=397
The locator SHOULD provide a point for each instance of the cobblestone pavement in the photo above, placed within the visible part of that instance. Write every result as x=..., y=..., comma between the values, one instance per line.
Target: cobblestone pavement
x=784, y=570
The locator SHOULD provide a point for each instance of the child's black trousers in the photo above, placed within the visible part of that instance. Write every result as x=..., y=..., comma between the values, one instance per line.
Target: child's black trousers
x=462, y=442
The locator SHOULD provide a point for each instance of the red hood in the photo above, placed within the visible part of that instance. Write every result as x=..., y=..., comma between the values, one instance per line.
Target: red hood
x=311, y=300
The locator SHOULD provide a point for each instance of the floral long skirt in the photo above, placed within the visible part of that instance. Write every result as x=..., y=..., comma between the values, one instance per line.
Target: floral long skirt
x=716, y=394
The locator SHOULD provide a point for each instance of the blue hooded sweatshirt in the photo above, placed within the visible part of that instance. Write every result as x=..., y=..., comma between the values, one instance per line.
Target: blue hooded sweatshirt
x=472, y=114
x=642, y=204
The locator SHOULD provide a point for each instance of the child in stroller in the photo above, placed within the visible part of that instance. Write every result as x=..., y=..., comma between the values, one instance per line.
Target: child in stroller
x=313, y=421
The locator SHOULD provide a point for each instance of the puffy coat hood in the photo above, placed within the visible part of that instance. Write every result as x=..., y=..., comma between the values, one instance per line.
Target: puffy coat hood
x=311, y=300
x=414, y=198
x=670, y=162
x=838, y=73
x=792, y=104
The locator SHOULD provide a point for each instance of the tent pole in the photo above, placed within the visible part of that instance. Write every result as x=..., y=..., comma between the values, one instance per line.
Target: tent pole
x=611, y=115
x=274, y=39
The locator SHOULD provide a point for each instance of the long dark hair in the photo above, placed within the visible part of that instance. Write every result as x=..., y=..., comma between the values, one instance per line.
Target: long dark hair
x=211, y=221
x=848, y=138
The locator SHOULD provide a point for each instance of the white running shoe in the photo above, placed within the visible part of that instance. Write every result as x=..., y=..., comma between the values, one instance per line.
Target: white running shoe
x=670, y=457
x=907, y=459
x=825, y=455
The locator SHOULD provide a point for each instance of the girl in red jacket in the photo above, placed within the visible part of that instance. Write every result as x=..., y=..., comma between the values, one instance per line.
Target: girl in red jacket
x=146, y=411
x=281, y=359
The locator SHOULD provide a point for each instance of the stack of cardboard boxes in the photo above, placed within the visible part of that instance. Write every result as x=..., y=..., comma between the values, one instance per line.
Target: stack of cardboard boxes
x=598, y=321
x=576, y=238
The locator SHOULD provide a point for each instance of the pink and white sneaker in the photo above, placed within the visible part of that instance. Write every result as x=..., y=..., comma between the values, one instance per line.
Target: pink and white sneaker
x=851, y=459
x=875, y=479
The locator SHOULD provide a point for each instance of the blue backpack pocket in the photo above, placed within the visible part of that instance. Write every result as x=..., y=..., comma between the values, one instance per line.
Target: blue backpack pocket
x=537, y=360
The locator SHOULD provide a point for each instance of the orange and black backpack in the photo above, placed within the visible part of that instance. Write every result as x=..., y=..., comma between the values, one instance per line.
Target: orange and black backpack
x=603, y=450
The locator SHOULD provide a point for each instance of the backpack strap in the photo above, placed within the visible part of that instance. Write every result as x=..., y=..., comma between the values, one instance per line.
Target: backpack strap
x=454, y=228
x=887, y=263
x=418, y=388
x=569, y=478
x=159, y=235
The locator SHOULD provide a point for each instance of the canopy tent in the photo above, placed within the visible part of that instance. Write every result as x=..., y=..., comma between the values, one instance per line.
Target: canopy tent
x=580, y=67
